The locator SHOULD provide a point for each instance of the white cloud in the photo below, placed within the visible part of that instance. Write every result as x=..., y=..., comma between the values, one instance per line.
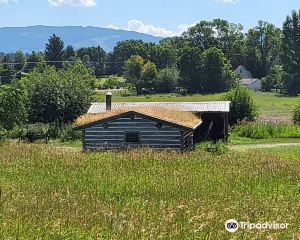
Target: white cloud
x=227, y=1
x=78, y=3
x=184, y=27
x=139, y=26
x=111, y=26
x=8, y=1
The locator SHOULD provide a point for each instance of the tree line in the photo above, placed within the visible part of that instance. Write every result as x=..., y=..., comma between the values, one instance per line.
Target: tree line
x=204, y=56
x=57, y=85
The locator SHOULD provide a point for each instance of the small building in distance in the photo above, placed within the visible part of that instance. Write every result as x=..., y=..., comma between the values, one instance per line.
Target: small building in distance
x=252, y=83
x=161, y=125
x=247, y=79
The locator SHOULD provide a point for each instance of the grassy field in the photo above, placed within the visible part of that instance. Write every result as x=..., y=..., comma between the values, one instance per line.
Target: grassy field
x=270, y=105
x=50, y=193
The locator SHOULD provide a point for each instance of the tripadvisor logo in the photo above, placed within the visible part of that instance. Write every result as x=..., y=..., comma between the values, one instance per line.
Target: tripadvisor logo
x=232, y=225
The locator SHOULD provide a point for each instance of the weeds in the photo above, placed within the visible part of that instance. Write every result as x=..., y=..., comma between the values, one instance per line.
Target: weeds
x=267, y=130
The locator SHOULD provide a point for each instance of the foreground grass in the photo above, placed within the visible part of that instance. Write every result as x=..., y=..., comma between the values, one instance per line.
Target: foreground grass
x=48, y=193
x=290, y=153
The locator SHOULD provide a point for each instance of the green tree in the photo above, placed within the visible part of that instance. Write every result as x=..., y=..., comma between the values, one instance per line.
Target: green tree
x=177, y=42
x=220, y=34
x=93, y=57
x=242, y=104
x=140, y=74
x=13, y=102
x=216, y=71
x=274, y=79
x=123, y=51
x=162, y=55
x=54, y=51
x=69, y=53
x=149, y=75
x=133, y=69
x=19, y=61
x=168, y=79
x=201, y=35
x=59, y=96
x=267, y=83
x=263, y=44
x=8, y=71
x=291, y=53
x=33, y=60
x=190, y=66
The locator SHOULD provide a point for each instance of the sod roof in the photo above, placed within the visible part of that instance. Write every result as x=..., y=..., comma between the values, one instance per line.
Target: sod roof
x=186, y=119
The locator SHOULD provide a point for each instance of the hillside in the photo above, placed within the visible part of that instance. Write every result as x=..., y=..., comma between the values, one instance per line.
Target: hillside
x=34, y=38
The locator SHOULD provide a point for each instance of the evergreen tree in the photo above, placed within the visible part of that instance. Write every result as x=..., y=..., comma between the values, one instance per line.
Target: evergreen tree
x=69, y=53
x=54, y=52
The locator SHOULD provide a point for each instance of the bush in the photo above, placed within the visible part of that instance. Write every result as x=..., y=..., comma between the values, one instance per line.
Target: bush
x=296, y=114
x=3, y=133
x=218, y=147
x=267, y=130
x=267, y=83
x=59, y=96
x=68, y=134
x=242, y=105
x=13, y=105
x=167, y=80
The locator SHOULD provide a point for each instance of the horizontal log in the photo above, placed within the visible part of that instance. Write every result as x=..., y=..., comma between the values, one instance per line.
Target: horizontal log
x=161, y=137
x=158, y=141
x=130, y=128
x=108, y=141
x=108, y=136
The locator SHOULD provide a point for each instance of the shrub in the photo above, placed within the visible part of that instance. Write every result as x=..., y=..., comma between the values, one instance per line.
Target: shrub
x=267, y=130
x=267, y=83
x=3, y=133
x=13, y=105
x=242, y=105
x=296, y=114
x=59, y=96
x=218, y=147
x=68, y=134
x=167, y=80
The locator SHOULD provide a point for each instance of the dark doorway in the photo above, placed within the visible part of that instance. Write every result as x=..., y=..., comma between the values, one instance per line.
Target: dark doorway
x=212, y=128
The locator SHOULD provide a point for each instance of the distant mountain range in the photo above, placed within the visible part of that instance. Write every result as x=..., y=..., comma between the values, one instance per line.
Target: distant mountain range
x=34, y=38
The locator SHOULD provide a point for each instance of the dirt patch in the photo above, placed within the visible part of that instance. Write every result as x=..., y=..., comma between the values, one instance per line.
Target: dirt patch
x=262, y=146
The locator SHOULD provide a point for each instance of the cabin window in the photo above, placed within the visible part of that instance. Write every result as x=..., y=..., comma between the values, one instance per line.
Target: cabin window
x=132, y=137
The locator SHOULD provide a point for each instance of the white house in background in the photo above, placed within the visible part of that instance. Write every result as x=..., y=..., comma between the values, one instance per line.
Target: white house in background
x=247, y=79
x=252, y=83
x=243, y=72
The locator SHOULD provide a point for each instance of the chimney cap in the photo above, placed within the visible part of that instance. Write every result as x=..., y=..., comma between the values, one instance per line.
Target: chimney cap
x=109, y=94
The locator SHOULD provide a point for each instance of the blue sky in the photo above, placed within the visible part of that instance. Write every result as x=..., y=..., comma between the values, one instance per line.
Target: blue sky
x=156, y=17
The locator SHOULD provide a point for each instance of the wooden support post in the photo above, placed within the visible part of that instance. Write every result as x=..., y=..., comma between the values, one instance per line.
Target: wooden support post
x=226, y=127
x=83, y=141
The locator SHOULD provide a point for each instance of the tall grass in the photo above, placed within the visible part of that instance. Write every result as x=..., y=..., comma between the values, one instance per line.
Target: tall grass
x=50, y=193
x=267, y=130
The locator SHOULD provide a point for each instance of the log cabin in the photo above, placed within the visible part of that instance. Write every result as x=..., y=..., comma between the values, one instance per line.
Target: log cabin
x=160, y=125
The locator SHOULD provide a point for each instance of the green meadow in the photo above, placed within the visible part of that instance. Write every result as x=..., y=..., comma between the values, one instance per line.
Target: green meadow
x=54, y=193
